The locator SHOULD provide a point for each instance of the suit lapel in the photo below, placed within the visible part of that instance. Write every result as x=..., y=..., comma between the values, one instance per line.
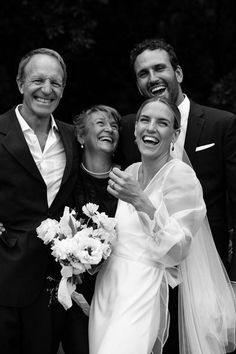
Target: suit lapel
x=16, y=145
x=196, y=122
x=67, y=140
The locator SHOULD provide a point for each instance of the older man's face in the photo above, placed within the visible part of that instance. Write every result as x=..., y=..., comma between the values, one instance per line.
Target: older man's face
x=42, y=86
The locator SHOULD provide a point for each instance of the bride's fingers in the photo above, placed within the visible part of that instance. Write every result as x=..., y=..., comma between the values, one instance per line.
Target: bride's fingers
x=111, y=190
x=114, y=185
x=114, y=178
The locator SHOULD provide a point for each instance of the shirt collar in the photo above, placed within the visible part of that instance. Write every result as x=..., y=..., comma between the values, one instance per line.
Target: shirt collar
x=25, y=126
x=184, y=108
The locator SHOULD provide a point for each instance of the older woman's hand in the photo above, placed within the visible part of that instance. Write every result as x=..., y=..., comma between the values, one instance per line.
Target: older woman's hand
x=122, y=185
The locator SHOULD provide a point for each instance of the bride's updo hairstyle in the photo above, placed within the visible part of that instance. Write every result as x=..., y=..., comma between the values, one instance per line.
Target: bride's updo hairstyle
x=171, y=105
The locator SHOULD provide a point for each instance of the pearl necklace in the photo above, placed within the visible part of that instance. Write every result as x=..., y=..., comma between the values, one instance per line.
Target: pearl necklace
x=96, y=174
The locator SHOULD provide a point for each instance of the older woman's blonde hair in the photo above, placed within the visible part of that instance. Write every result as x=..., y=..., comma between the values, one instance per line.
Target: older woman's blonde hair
x=80, y=119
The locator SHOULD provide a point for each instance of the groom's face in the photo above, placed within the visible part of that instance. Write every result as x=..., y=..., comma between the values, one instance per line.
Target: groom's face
x=156, y=76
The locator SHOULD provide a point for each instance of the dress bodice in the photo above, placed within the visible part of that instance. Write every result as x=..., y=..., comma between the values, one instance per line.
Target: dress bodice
x=129, y=311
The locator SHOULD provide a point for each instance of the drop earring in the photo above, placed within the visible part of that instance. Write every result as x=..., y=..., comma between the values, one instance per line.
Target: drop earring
x=172, y=146
x=82, y=146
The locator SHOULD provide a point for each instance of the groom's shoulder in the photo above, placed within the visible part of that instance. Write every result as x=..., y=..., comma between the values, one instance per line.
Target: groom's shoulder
x=128, y=120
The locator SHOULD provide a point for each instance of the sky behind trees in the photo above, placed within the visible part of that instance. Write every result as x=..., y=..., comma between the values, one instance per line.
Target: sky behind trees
x=95, y=38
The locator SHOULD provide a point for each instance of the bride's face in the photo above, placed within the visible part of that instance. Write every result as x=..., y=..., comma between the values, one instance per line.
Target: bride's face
x=154, y=130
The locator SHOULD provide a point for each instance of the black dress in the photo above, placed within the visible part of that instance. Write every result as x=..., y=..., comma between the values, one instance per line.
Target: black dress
x=93, y=190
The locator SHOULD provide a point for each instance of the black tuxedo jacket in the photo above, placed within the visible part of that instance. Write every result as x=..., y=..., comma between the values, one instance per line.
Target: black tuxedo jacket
x=211, y=147
x=24, y=259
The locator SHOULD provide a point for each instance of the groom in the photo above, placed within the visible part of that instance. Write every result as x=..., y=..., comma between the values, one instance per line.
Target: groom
x=209, y=137
x=38, y=157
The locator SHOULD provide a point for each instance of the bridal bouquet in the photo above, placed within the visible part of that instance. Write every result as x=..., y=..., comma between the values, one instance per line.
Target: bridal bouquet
x=79, y=246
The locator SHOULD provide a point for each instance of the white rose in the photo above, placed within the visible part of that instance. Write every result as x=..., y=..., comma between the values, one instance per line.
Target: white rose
x=89, y=251
x=47, y=230
x=83, y=234
x=61, y=249
x=90, y=209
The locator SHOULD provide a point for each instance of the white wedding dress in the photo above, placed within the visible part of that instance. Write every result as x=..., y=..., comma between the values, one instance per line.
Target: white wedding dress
x=129, y=311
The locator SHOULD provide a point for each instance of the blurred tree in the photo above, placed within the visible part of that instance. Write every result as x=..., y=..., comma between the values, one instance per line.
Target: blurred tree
x=96, y=36
x=66, y=26
x=223, y=92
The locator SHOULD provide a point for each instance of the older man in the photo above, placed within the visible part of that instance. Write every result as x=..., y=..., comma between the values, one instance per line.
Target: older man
x=38, y=157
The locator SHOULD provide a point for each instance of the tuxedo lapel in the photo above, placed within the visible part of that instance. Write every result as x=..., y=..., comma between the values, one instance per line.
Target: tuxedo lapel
x=16, y=145
x=196, y=122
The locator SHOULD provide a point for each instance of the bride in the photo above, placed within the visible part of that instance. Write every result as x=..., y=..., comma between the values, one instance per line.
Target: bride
x=163, y=240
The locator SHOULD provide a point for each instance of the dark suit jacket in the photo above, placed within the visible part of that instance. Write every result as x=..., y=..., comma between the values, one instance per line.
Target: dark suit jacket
x=215, y=166
x=24, y=259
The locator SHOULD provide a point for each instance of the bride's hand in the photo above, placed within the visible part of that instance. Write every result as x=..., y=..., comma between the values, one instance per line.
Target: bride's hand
x=123, y=186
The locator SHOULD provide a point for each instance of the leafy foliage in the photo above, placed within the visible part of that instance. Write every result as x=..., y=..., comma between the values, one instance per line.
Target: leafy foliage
x=95, y=37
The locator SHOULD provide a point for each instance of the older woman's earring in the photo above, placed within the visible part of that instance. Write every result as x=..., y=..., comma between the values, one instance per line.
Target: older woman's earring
x=82, y=146
x=172, y=146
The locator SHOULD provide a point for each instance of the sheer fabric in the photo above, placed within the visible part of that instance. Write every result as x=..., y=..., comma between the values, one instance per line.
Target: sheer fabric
x=207, y=305
x=129, y=311
x=207, y=309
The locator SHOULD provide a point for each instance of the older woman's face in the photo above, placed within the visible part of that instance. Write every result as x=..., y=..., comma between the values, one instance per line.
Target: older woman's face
x=101, y=133
x=154, y=130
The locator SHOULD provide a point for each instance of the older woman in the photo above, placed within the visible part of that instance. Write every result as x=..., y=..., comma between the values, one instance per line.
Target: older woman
x=162, y=240
x=97, y=131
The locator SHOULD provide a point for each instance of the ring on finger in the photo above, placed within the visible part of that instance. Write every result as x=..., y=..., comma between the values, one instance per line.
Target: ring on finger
x=112, y=184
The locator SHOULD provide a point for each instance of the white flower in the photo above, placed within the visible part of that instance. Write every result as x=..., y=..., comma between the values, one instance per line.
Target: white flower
x=107, y=223
x=62, y=248
x=89, y=251
x=103, y=235
x=47, y=230
x=98, y=233
x=68, y=224
x=78, y=246
x=106, y=250
x=90, y=209
x=84, y=233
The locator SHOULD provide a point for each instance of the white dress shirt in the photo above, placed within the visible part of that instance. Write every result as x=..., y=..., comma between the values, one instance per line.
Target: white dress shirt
x=184, y=109
x=52, y=160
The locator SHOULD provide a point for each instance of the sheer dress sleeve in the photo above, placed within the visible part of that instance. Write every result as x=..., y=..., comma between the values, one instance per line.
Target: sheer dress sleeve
x=182, y=237
x=180, y=210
